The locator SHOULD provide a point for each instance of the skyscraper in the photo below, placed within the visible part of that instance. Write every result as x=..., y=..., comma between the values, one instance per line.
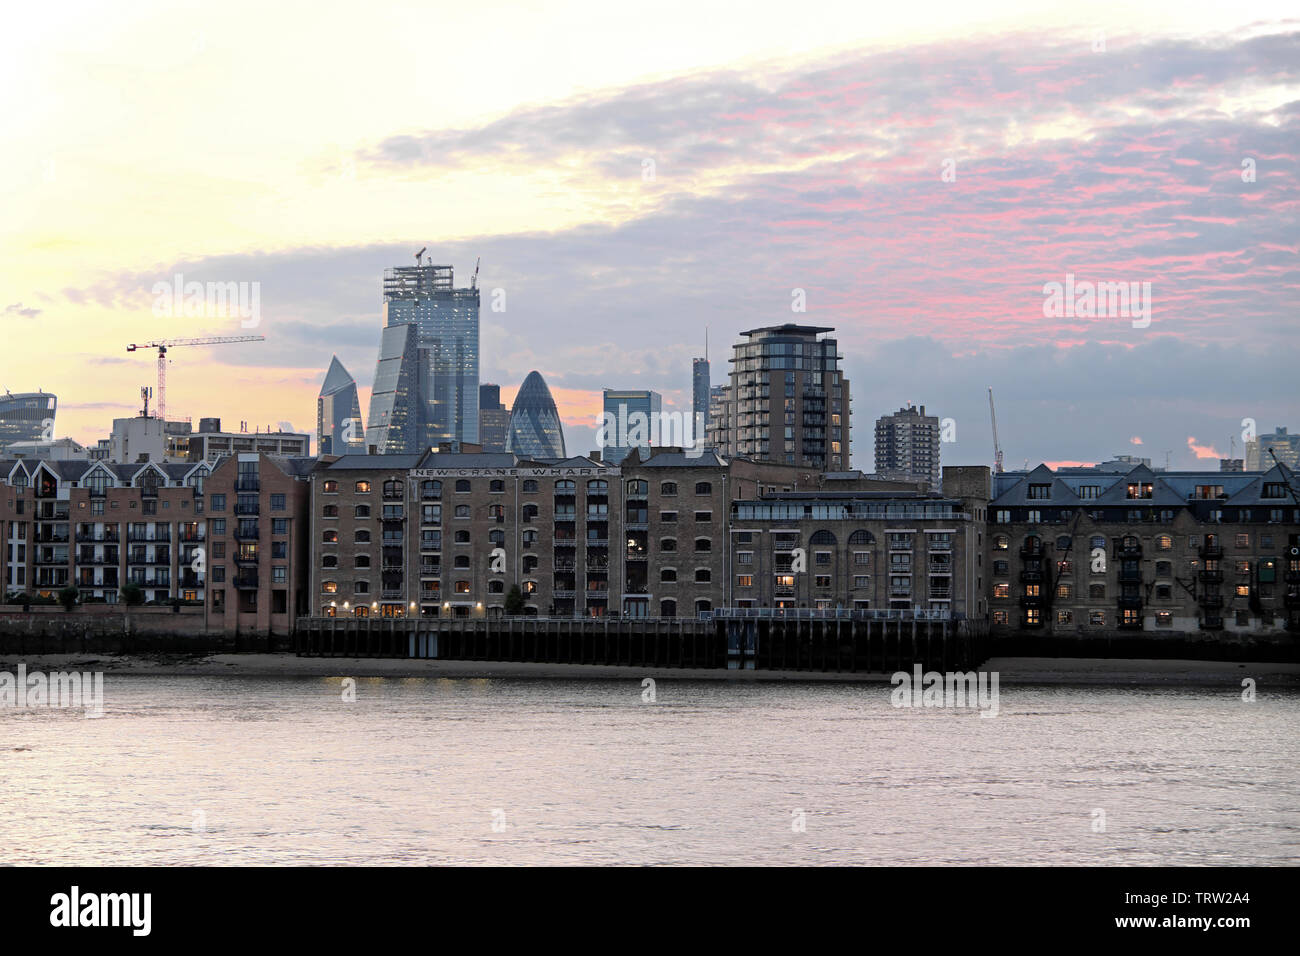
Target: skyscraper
x=535, y=430
x=27, y=416
x=907, y=446
x=493, y=419
x=700, y=383
x=338, y=413
x=631, y=421
x=787, y=400
x=1286, y=446
x=441, y=393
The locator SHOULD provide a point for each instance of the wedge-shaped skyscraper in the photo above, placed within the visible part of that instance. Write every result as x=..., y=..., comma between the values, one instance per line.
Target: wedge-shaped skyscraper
x=535, y=430
x=338, y=414
x=426, y=383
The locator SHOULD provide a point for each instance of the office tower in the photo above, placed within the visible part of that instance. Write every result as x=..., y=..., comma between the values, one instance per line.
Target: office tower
x=493, y=419
x=441, y=391
x=535, y=430
x=27, y=416
x=787, y=400
x=907, y=446
x=338, y=414
x=397, y=397
x=631, y=421
x=700, y=384
x=1284, y=445
x=719, y=421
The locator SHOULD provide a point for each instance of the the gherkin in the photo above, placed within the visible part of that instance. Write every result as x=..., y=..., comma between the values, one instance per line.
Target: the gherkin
x=535, y=430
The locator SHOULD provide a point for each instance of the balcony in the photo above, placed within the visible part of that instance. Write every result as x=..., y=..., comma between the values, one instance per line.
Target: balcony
x=1031, y=577
x=940, y=594
x=430, y=570
x=1211, y=551
x=636, y=554
x=558, y=592
x=597, y=542
x=1026, y=601
x=246, y=580
x=44, y=536
x=246, y=560
x=391, y=594
x=1132, y=549
x=1130, y=574
x=1210, y=576
x=1031, y=551
x=90, y=536
x=1129, y=600
x=192, y=536
x=246, y=534
x=564, y=564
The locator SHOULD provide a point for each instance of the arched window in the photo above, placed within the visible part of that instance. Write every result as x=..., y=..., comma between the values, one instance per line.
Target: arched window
x=1098, y=542
x=703, y=488
x=497, y=511
x=431, y=489
x=362, y=536
x=822, y=537
x=330, y=537
x=462, y=537
x=497, y=536
x=703, y=604
x=638, y=487
x=703, y=544
x=565, y=487
x=597, y=486
x=530, y=485
x=496, y=586
x=1001, y=542
x=668, y=574
x=330, y=511
x=1164, y=542
x=361, y=561
x=496, y=487
x=460, y=561
x=462, y=486
x=362, y=511
x=392, y=489
x=330, y=487
x=703, y=576
x=330, y=587
x=530, y=539
x=668, y=608
x=668, y=544
x=329, y=561
x=1063, y=542
x=462, y=511
x=668, y=488
x=860, y=537
x=363, y=487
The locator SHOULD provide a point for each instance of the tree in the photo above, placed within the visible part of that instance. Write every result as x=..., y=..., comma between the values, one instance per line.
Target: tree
x=515, y=600
x=68, y=597
x=132, y=594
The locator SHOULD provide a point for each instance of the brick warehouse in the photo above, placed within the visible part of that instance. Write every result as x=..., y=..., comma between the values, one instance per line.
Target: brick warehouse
x=1077, y=551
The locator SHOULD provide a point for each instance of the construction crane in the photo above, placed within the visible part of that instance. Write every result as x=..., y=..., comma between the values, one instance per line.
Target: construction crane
x=997, y=449
x=419, y=256
x=162, y=347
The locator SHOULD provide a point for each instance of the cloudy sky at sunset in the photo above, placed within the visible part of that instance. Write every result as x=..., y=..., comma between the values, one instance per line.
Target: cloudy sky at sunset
x=307, y=147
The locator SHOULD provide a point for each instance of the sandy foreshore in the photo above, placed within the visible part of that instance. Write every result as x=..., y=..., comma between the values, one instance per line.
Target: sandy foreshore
x=1011, y=670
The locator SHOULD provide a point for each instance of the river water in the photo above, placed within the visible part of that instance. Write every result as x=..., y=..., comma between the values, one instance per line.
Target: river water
x=217, y=771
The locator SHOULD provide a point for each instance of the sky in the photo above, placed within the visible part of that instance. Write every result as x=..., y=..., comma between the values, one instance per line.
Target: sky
x=630, y=175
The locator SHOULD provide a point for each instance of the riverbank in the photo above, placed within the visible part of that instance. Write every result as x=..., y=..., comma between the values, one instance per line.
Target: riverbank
x=1011, y=670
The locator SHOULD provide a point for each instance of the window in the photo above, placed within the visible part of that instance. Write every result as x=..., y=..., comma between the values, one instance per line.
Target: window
x=1139, y=489
x=279, y=549
x=668, y=517
x=565, y=487
x=668, y=608
x=703, y=517
x=496, y=487
x=703, y=488
x=362, y=536
x=218, y=502
x=1002, y=517
x=1040, y=492
x=462, y=537
x=1096, y=591
x=1164, y=542
x=1000, y=617
x=703, y=576
x=1064, y=591
x=462, y=511
x=668, y=574
x=431, y=489
x=1097, y=618
x=862, y=559
x=361, y=511
x=668, y=544
x=363, y=487
x=1164, y=618
x=330, y=587
x=530, y=486
x=330, y=537
x=279, y=526
x=330, y=511
x=744, y=580
x=277, y=502
x=1243, y=541
x=462, y=587
x=703, y=544
x=1064, y=543
x=597, y=486
x=638, y=488
x=361, y=561
x=1001, y=590
x=1065, y=617
x=462, y=486
x=1033, y=616
x=1001, y=542
x=668, y=488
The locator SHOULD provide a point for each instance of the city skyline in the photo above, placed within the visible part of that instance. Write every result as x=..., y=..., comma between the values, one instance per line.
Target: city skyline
x=1179, y=176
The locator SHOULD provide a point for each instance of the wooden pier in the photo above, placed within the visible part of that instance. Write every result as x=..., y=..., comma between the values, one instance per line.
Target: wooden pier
x=777, y=643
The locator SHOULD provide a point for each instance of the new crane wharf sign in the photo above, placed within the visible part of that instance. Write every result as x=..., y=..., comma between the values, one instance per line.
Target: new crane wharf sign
x=419, y=473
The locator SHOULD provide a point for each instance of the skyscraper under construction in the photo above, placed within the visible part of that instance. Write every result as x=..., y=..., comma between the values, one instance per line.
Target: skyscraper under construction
x=426, y=381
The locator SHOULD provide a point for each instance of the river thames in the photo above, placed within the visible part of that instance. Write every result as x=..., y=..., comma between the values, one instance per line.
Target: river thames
x=246, y=770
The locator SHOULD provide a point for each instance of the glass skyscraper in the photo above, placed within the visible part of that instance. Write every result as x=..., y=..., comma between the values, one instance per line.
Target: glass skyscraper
x=28, y=416
x=338, y=414
x=700, y=382
x=535, y=430
x=632, y=420
x=426, y=384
